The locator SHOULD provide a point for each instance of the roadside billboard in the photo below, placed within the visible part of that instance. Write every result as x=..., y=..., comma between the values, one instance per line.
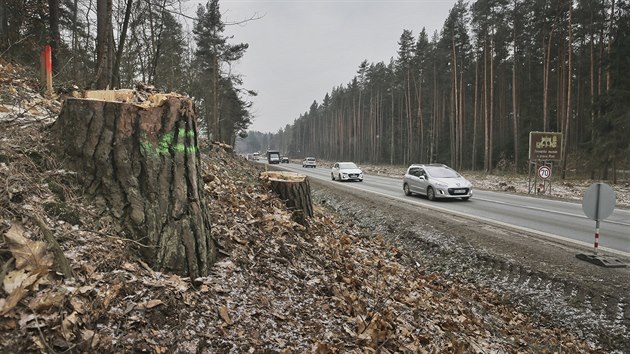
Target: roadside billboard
x=545, y=146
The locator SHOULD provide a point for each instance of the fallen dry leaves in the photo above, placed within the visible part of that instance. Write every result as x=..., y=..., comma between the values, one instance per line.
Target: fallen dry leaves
x=277, y=287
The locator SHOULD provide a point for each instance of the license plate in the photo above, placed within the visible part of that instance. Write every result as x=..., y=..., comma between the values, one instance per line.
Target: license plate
x=459, y=191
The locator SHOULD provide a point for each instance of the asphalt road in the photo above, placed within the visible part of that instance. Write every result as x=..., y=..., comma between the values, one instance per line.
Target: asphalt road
x=553, y=219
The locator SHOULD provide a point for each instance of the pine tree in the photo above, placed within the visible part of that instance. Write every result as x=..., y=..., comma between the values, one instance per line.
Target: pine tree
x=213, y=50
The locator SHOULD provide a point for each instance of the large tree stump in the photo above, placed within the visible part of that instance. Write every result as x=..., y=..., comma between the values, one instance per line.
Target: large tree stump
x=144, y=160
x=295, y=190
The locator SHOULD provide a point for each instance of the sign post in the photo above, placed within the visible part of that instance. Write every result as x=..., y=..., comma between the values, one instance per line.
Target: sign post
x=46, y=68
x=598, y=204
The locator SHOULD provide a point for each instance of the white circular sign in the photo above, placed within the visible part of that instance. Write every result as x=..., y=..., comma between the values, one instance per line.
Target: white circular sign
x=544, y=172
x=599, y=201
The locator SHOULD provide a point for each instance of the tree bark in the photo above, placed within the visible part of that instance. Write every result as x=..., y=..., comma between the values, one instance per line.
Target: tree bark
x=295, y=190
x=145, y=162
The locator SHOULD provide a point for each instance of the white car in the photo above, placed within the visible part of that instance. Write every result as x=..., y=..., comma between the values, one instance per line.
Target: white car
x=346, y=171
x=309, y=162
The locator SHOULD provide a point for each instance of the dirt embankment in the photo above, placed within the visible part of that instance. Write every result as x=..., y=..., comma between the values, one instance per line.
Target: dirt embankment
x=542, y=277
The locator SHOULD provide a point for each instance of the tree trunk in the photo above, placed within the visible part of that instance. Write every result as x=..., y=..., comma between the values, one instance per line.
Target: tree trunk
x=567, y=122
x=121, y=46
x=295, y=190
x=546, y=73
x=475, y=114
x=455, y=110
x=486, y=125
x=515, y=120
x=610, y=40
x=4, y=27
x=145, y=162
x=103, y=44
x=491, y=118
x=55, y=36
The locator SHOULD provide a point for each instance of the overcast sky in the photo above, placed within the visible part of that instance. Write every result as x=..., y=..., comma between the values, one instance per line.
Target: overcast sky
x=300, y=49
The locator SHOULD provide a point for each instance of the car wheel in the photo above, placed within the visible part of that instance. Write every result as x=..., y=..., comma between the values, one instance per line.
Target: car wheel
x=406, y=189
x=332, y=176
x=430, y=193
x=465, y=198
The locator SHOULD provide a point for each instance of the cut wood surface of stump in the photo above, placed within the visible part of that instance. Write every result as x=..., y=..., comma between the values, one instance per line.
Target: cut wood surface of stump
x=143, y=158
x=295, y=190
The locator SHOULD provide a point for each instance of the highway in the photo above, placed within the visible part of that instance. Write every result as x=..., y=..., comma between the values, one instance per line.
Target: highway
x=554, y=219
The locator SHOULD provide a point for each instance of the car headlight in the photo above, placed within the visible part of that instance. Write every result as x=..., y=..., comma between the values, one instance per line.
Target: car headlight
x=441, y=185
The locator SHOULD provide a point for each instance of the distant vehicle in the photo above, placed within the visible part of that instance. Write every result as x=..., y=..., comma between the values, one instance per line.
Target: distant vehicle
x=256, y=156
x=346, y=171
x=273, y=156
x=309, y=162
x=284, y=159
x=436, y=181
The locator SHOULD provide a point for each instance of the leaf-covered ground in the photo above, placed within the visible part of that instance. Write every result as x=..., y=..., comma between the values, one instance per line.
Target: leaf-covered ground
x=277, y=287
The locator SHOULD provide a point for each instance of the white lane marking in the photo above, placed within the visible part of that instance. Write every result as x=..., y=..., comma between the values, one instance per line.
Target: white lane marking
x=549, y=211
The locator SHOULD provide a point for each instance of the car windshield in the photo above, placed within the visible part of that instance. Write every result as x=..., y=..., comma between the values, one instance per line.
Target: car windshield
x=441, y=172
x=310, y=159
x=347, y=165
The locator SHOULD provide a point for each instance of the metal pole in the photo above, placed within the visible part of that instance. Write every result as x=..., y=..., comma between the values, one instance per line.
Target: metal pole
x=551, y=166
x=597, y=201
x=536, y=177
x=529, y=178
x=596, y=236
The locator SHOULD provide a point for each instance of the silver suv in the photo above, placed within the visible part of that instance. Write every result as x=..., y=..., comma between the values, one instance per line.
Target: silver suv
x=436, y=181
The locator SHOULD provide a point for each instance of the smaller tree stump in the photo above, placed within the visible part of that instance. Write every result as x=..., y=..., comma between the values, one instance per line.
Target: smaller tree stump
x=295, y=190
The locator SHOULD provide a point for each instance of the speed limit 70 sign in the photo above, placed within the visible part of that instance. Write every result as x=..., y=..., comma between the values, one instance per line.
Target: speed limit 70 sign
x=544, y=172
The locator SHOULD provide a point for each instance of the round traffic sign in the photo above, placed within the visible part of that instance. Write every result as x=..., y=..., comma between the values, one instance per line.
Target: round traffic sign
x=599, y=201
x=544, y=172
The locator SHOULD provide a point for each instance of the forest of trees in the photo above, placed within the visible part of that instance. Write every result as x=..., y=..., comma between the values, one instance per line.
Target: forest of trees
x=112, y=44
x=469, y=95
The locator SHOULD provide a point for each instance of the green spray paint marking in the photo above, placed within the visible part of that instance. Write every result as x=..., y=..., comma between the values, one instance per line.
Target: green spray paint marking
x=165, y=144
x=147, y=147
x=187, y=133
